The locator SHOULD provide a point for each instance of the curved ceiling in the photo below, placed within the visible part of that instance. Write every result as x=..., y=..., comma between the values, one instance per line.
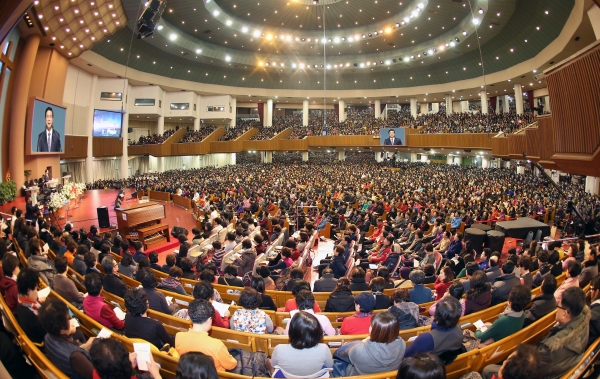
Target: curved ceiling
x=408, y=43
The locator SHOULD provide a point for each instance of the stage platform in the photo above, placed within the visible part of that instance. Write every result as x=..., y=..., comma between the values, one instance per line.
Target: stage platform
x=520, y=227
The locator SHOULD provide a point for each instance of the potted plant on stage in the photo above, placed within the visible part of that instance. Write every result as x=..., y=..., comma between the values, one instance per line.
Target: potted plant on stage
x=8, y=191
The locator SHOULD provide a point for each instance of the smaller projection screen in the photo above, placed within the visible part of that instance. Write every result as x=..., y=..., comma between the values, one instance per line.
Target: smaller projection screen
x=392, y=137
x=107, y=123
x=46, y=127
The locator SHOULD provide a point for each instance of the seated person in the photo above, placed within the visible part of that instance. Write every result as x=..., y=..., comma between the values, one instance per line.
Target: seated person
x=406, y=311
x=197, y=338
x=65, y=286
x=561, y=349
x=357, y=280
x=153, y=256
x=443, y=282
x=187, y=268
x=341, y=299
x=172, y=282
x=572, y=280
x=544, y=268
x=111, y=281
x=230, y=278
x=156, y=300
x=204, y=291
x=94, y=305
x=382, y=351
x=456, y=291
x=68, y=356
x=170, y=262
x=306, y=303
x=595, y=310
x=291, y=304
x=359, y=323
x=382, y=301
x=494, y=271
x=284, y=263
x=445, y=334
x=511, y=320
x=479, y=295
x=327, y=283
x=504, y=283
x=127, y=266
x=251, y=319
x=29, y=304
x=111, y=360
x=543, y=304
x=139, y=325
x=419, y=294
x=304, y=355
x=523, y=363
x=422, y=366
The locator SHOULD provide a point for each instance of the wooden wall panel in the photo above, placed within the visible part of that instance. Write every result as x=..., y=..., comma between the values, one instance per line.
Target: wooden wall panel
x=107, y=147
x=343, y=141
x=500, y=147
x=294, y=144
x=197, y=148
x=546, y=135
x=75, y=147
x=532, y=143
x=234, y=146
x=574, y=87
x=516, y=145
x=461, y=141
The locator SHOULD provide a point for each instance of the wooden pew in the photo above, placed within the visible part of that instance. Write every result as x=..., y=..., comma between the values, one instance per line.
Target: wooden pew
x=587, y=360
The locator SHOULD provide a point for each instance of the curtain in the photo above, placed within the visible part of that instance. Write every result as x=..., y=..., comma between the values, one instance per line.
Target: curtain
x=530, y=100
x=77, y=170
x=261, y=113
x=107, y=169
x=493, y=102
x=382, y=107
x=139, y=165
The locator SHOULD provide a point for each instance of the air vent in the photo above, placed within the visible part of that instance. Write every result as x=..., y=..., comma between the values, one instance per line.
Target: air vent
x=207, y=31
x=577, y=38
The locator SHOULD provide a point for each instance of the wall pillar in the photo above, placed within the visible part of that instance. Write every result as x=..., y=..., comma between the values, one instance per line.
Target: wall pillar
x=160, y=129
x=424, y=158
x=449, y=159
x=505, y=104
x=485, y=161
x=547, y=104
x=413, y=107
x=197, y=124
x=378, y=157
x=305, y=114
x=435, y=107
x=521, y=170
x=498, y=110
x=341, y=156
x=266, y=157
x=305, y=156
x=448, y=100
x=594, y=15
x=269, y=113
x=377, y=108
x=592, y=185
x=464, y=106
x=413, y=157
x=89, y=160
x=424, y=108
x=484, y=102
x=519, y=98
x=124, y=168
x=16, y=165
x=342, y=110
x=233, y=121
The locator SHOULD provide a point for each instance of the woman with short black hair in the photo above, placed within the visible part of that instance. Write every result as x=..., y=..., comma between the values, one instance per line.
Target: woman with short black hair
x=139, y=325
x=303, y=355
x=250, y=318
x=69, y=357
x=382, y=301
x=341, y=299
x=422, y=366
x=195, y=365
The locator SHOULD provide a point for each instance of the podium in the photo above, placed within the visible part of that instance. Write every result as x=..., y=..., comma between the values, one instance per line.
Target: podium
x=33, y=192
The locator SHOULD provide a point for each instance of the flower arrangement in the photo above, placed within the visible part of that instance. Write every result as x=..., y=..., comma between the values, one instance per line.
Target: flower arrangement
x=70, y=191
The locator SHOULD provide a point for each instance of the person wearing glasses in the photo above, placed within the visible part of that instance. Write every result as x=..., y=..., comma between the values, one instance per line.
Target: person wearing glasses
x=561, y=349
x=111, y=281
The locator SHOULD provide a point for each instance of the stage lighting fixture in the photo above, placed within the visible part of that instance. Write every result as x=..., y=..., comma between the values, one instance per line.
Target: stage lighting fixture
x=150, y=18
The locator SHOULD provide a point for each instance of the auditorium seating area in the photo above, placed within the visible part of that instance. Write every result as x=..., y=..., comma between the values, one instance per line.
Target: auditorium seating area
x=153, y=139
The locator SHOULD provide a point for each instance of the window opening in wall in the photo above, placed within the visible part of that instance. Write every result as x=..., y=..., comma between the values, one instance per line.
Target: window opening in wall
x=111, y=96
x=217, y=108
x=180, y=106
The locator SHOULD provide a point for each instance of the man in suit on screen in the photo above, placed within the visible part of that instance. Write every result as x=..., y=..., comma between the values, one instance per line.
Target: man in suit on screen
x=49, y=139
x=392, y=140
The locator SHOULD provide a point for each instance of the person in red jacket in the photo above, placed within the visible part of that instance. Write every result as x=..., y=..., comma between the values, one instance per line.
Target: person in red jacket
x=443, y=282
x=359, y=322
x=8, y=281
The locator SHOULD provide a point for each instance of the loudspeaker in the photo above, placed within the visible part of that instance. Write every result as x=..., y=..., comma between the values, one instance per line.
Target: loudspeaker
x=129, y=130
x=177, y=230
x=103, y=221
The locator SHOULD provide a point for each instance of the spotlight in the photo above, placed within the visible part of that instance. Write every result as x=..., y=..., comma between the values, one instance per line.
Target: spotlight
x=456, y=39
x=480, y=11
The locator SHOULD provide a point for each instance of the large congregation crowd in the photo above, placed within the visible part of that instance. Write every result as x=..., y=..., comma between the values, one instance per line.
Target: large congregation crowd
x=198, y=135
x=153, y=139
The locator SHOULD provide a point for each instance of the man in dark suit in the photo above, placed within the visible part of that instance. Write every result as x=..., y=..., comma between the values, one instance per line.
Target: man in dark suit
x=49, y=139
x=327, y=283
x=46, y=176
x=392, y=140
x=31, y=211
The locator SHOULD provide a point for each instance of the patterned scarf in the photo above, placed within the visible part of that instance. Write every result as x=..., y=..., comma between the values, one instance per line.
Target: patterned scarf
x=33, y=305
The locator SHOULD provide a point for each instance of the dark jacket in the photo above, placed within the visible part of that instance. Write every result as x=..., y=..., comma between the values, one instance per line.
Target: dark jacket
x=590, y=269
x=502, y=287
x=327, y=283
x=561, y=349
x=30, y=324
x=556, y=270
x=338, y=265
x=541, y=306
x=594, y=322
x=492, y=273
x=267, y=302
x=358, y=284
x=157, y=301
x=113, y=284
x=147, y=329
x=478, y=303
x=382, y=301
x=340, y=301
